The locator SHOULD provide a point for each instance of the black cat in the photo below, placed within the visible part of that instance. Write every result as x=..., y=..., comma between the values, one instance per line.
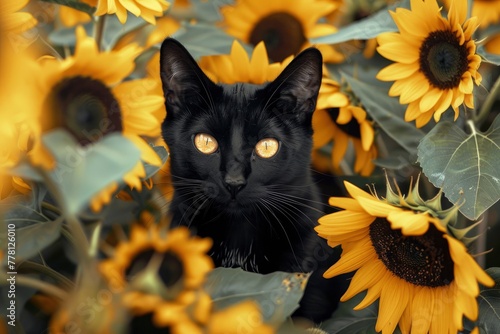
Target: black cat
x=240, y=165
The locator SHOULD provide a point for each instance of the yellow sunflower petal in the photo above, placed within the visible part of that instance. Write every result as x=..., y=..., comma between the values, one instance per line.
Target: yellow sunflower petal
x=376, y=207
x=397, y=71
x=364, y=278
x=147, y=153
x=367, y=135
x=352, y=260
x=259, y=64
x=356, y=192
x=393, y=301
x=423, y=308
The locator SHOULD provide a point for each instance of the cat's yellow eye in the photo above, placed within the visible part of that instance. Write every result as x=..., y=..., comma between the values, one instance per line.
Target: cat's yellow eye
x=267, y=148
x=205, y=143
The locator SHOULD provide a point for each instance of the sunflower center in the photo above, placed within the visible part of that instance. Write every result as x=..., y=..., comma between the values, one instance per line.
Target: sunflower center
x=443, y=60
x=144, y=324
x=351, y=128
x=421, y=260
x=282, y=34
x=170, y=270
x=85, y=107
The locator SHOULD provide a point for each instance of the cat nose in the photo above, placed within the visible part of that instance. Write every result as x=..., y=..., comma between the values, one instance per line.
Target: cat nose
x=234, y=184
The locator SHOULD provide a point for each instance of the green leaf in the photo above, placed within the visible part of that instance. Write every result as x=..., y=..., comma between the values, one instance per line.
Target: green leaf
x=464, y=165
x=82, y=172
x=278, y=293
x=347, y=321
x=488, y=57
x=152, y=170
x=75, y=4
x=202, y=39
x=26, y=171
x=209, y=11
x=366, y=28
x=31, y=239
x=113, y=31
x=387, y=113
x=489, y=305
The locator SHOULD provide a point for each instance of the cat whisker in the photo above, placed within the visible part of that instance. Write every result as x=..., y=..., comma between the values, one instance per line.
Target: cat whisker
x=263, y=202
x=194, y=200
x=289, y=209
x=297, y=200
x=197, y=210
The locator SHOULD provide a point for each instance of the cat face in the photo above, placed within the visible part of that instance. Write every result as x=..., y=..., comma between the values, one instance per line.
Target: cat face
x=231, y=145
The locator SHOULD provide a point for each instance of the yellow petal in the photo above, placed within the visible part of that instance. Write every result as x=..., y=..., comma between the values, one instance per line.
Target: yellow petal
x=396, y=71
x=376, y=207
x=430, y=99
x=356, y=192
x=352, y=260
x=423, y=308
x=393, y=301
x=259, y=64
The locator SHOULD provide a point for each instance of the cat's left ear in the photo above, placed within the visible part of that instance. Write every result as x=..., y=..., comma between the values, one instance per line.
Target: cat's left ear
x=183, y=81
x=295, y=90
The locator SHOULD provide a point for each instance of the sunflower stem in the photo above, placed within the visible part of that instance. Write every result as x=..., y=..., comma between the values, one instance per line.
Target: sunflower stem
x=94, y=239
x=30, y=266
x=488, y=103
x=481, y=241
x=42, y=286
x=73, y=223
x=98, y=32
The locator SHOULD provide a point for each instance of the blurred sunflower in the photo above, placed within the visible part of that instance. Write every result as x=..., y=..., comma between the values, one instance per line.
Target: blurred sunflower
x=148, y=35
x=238, y=67
x=487, y=11
x=151, y=314
x=19, y=111
x=86, y=95
x=493, y=44
x=70, y=17
x=164, y=262
x=425, y=278
x=229, y=320
x=435, y=59
x=283, y=26
x=14, y=21
x=340, y=118
x=148, y=10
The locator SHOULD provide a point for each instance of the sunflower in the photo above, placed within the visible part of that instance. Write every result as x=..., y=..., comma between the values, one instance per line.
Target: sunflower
x=424, y=277
x=149, y=313
x=487, y=11
x=165, y=26
x=178, y=261
x=19, y=112
x=284, y=27
x=86, y=95
x=12, y=20
x=70, y=17
x=435, y=59
x=493, y=44
x=238, y=67
x=231, y=319
x=340, y=118
x=148, y=10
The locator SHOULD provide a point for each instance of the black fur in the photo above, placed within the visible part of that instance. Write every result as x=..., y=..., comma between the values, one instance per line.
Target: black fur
x=264, y=223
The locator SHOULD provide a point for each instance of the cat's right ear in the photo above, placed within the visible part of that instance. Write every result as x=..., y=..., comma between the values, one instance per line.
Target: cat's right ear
x=183, y=81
